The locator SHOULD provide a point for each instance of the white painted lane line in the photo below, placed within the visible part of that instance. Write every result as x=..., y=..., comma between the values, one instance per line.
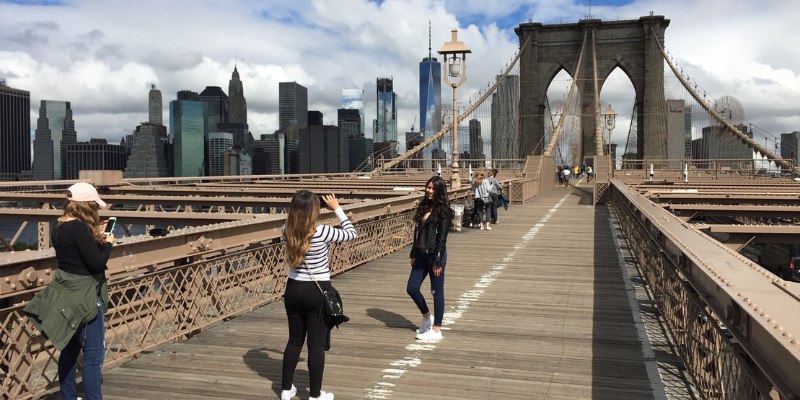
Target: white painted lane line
x=382, y=389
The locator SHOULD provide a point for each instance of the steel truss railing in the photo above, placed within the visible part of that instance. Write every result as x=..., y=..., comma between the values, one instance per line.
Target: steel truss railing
x=171, y=304
x=167, y=288
x=732, y=347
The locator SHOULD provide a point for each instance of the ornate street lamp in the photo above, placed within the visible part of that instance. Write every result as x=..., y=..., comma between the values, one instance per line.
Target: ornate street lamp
x=455, y=64
x=610, y=118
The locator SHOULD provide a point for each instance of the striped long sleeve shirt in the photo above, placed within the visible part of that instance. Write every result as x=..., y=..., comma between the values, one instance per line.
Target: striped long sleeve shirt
x=317, y=255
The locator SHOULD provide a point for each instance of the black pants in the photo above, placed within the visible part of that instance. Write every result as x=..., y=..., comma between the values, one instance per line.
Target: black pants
x=303, y=303
x=478, y=212
x=493, y=207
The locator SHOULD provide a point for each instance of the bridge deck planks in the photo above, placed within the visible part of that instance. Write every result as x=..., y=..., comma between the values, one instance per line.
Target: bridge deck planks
x=555, y=323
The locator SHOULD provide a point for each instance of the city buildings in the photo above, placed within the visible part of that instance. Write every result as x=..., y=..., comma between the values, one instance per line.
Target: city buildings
x=314, y=117
x=720, y=145
x=237, y=114
x=55, y=129
x=155, y=106
x=237, y=103
x=323, y=149
x=292, y=108
x=353, y=99
x=216, y=107
x=790, y=146
x=349, y=121
x=96, y=154
x=268, y=154
x=188, y=127
x=386, y=121
x=149, y=149
x=430, y=93
x=218, y=144
x=15, y=128
x=676, y=129
x=360, y=149
x=475, y=140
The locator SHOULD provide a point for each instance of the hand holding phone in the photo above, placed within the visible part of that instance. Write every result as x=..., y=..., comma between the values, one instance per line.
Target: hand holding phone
x=110, y=224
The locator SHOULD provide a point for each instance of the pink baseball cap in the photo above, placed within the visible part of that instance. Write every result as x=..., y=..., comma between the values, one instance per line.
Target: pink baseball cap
x=83, y=191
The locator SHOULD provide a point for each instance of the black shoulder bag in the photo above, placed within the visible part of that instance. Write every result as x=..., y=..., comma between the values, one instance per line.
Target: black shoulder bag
x=331, y=303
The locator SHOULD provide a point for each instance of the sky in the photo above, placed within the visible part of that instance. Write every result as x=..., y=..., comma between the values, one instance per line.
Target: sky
x=102, y=56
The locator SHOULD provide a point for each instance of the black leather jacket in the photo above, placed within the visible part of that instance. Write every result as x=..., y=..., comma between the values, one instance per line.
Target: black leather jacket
x=430, y=237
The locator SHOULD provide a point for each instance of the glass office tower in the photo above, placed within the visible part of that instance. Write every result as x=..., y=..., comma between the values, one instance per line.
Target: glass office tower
x=187, y=122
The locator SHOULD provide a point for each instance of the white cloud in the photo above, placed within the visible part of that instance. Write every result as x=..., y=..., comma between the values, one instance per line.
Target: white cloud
x=102, y=56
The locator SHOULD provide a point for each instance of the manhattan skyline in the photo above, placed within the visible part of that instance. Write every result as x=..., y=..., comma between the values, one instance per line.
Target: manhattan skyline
x=100, y=58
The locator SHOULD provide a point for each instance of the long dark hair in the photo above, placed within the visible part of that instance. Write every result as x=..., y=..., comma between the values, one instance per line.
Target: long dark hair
x=301, y=224
x=439, y=206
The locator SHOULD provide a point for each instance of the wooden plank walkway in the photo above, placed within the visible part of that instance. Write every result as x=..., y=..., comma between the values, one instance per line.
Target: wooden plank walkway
x=537, y=309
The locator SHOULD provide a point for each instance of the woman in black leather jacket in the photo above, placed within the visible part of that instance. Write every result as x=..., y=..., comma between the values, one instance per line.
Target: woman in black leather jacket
x=429, y=256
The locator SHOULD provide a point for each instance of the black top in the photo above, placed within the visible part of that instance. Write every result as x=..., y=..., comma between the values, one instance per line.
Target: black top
x=76, y=250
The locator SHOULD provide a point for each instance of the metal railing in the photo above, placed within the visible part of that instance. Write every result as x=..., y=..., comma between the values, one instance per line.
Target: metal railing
x=149, y=309
x=706, y=294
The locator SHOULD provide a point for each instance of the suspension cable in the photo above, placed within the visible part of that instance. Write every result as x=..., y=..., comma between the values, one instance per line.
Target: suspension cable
x=391, y=164
x=787, y=164
x=549, y=150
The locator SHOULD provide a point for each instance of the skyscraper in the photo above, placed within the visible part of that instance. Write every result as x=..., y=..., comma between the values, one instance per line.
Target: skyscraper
x=505, y=120
x=430, y=93
x=324, y=150
x=15, y=128
x=386, y=127
x=188, y=127
x=237, y=109
x=292, y=108
x=218, y=144
x=148, y=157
x=353, y=99
x=54, y=130
x=349, y=121
x=96, y=154
x=790, y=146
x=237, y=114
x=475, y=140
x=216, y=112
x=155, y=106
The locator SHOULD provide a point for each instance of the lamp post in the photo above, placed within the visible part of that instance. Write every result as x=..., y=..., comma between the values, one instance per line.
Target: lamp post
x=610, y=118
x=455, y=64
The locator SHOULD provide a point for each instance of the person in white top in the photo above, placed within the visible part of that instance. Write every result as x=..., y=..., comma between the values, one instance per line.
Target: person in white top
x=306, y=253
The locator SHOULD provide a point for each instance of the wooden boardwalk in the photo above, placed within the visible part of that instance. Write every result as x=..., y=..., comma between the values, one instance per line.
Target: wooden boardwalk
x=537, y=309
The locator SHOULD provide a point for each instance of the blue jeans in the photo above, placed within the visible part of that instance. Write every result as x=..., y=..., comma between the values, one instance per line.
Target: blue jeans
x=423, y=266
x=90, y=337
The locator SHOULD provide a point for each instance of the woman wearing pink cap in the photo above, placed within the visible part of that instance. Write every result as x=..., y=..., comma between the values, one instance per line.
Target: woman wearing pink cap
x=70, y=311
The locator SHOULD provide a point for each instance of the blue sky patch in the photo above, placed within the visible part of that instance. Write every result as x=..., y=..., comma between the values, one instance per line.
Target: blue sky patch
x=36, y=2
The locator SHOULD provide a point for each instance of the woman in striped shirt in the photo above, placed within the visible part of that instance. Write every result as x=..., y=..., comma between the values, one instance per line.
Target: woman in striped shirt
x=306, y=252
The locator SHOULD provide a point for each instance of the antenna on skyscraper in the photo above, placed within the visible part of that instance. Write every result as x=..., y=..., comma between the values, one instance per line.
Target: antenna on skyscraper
x=429, y=40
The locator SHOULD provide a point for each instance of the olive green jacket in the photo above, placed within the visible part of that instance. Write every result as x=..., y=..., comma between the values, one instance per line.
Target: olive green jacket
x=65, y=304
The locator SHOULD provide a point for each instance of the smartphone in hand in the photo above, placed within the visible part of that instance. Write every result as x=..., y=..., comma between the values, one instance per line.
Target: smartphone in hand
x=112, y=222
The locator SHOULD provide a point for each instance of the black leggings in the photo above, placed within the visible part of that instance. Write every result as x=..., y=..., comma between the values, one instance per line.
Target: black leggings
x=303, y=303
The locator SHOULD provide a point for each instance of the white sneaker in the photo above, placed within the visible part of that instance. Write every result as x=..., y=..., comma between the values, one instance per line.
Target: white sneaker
x=482, y=228
x=488, y=228
x=288, y=394
x=425, y=325
x=323, y=395
x=430, y=336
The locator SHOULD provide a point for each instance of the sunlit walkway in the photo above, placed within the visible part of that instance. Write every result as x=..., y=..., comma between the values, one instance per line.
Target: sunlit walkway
x=538, y=308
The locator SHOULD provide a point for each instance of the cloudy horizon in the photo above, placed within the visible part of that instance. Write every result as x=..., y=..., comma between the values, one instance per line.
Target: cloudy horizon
x=102, y=57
